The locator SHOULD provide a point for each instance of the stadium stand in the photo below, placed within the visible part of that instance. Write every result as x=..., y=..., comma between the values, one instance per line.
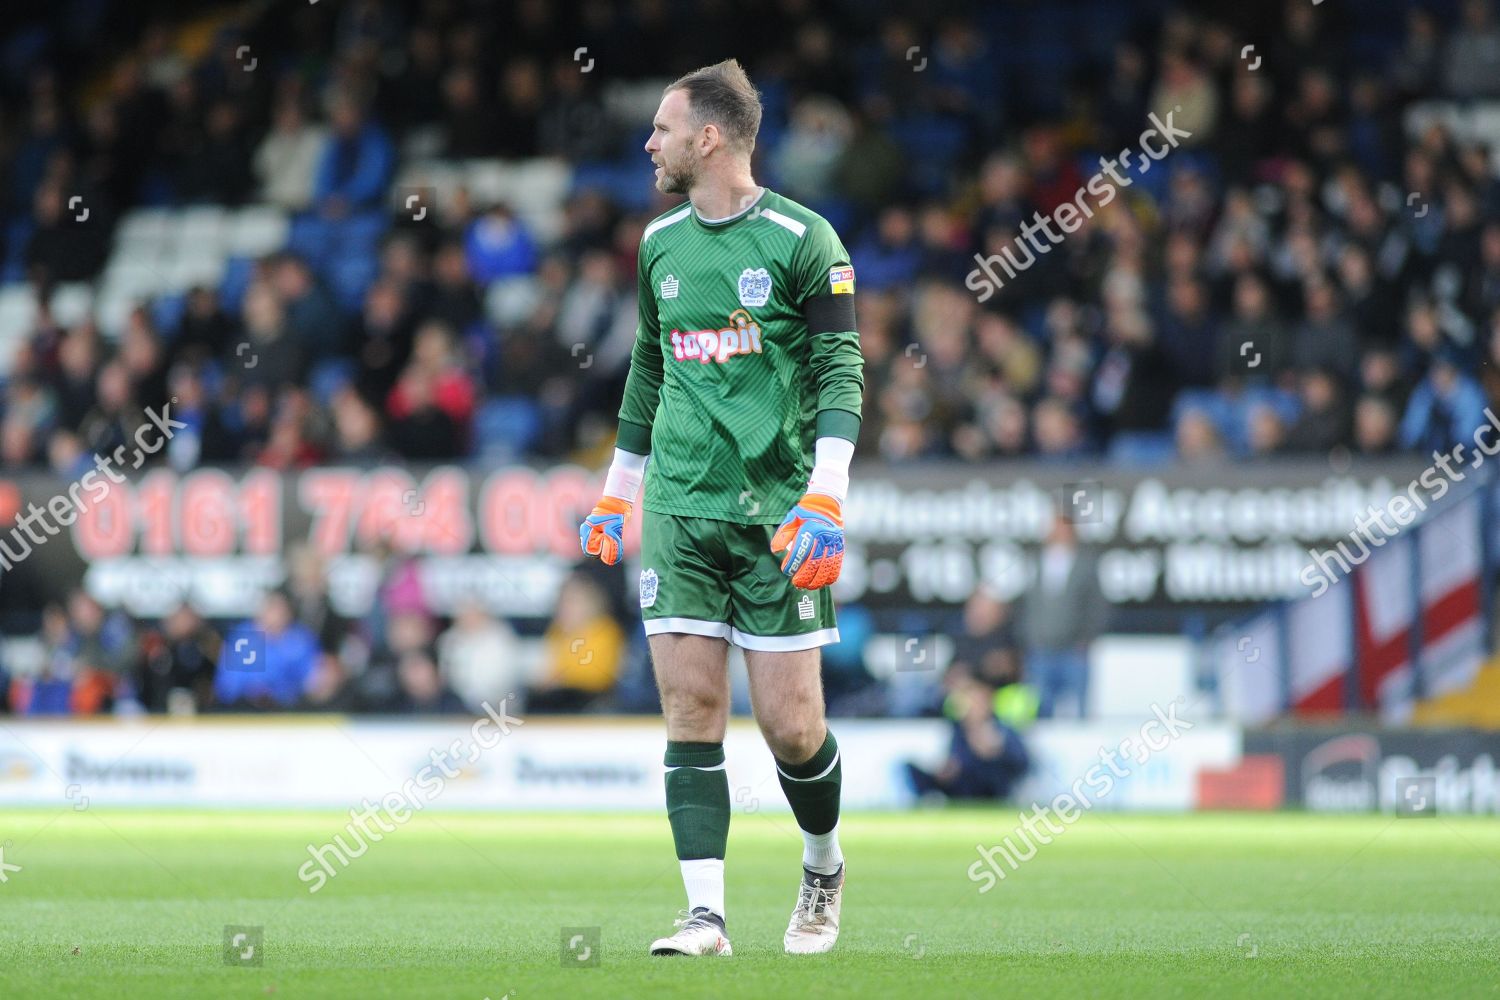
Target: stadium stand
x=394, y=192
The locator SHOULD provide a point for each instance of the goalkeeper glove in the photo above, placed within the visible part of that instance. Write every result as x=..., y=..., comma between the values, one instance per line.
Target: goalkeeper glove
x=813, y=537
x=602, y=533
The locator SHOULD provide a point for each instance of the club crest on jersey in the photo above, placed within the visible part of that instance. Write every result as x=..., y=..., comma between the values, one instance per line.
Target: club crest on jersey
x=649, y=583
x=741, y=336
x=755, y=287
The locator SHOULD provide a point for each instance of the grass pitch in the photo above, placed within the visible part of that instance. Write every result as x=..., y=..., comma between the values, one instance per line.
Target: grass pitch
x=123, y=904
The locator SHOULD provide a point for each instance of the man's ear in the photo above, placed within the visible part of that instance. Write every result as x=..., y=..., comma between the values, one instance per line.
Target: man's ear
x=709, y=139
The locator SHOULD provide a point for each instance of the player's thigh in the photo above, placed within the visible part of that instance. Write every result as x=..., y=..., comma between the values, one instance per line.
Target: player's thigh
x=692, y=676
x=684, y=596
x=786, y=694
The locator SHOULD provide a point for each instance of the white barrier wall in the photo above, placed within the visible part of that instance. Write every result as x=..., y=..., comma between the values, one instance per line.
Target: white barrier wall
x=580, y=764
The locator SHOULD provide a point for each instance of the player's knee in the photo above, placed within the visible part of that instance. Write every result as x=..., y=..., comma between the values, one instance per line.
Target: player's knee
x=794, y=741
x=697, y=712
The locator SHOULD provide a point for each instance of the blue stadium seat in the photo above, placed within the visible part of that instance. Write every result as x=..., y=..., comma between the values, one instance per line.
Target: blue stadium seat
x=505, y=427
x=328, y=377
x=1209, y=402
x=237, y=274
x=156, y=190
x=49, y=698
x=931, y=145
x=838, y=211
x=166, y=313
x=626, y=183
x=1100, y=25
x=1284, y=404
x=775, y=102
x=349, y=277
x=310, y=237
x=1231, y=415
x=1033, y=319
x=17, y=236
x=213, y=377
x=360, y=233
x=1154, y=182
x=1142, y=449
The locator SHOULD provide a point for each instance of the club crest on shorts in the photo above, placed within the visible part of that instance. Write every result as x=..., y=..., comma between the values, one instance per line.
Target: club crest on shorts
x=755, y=287
x=805, y=608
x=648, y=587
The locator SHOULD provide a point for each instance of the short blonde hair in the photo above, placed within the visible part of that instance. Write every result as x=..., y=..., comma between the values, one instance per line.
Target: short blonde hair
x=723, y=95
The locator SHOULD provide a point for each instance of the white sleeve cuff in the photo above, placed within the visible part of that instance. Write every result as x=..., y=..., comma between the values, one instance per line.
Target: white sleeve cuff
x=626, y=473
x=830, y=474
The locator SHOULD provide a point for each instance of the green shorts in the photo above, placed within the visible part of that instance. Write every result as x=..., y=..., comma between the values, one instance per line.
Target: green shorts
x=715, y=578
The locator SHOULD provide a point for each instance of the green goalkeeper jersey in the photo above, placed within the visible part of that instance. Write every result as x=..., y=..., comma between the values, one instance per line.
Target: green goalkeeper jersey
x=745, y=353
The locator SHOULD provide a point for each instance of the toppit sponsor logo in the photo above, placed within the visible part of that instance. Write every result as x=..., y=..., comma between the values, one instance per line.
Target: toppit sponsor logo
x=741, y=336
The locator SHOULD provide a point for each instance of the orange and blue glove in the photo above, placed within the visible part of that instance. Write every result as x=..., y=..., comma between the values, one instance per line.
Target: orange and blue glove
x=813, y=537
x=602, y=533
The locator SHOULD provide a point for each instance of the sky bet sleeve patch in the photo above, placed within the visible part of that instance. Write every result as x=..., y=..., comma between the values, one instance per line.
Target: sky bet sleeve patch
x=841, y=280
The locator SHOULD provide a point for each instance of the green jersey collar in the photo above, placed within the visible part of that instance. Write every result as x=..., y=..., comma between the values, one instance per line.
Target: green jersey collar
x=730, y=220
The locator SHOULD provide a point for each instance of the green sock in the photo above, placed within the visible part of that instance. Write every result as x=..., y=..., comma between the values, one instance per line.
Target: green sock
x=697, y=799
x=812, y=789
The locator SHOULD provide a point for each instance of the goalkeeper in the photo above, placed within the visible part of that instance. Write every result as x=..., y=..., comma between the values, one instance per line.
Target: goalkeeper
x=744, y=391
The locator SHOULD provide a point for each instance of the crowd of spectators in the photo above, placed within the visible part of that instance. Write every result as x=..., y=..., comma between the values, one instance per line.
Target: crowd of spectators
x=1306, y=272
x=1313, y=269
x=297, y=653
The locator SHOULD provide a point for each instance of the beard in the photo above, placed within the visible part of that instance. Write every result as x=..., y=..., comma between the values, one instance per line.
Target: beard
x=677, y=177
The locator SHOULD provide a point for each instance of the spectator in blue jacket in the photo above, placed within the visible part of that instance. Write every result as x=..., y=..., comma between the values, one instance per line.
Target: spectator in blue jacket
x=266, y=661
x=498, y=245
x=356, y=165
x=1446, y=408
